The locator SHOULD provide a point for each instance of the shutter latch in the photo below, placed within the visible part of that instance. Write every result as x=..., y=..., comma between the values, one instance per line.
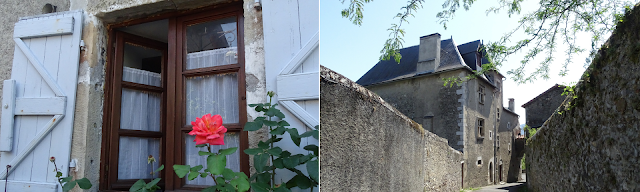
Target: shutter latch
x=82, y=47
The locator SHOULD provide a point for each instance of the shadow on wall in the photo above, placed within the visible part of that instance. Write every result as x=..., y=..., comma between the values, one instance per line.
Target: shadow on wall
x=367, y=145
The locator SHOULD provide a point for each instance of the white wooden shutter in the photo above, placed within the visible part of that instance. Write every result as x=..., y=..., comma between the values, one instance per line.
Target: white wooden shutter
x=38, y=101
x=292, y=67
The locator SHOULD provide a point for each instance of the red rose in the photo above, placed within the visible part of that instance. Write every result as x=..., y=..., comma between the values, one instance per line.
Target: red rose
x=208, y=129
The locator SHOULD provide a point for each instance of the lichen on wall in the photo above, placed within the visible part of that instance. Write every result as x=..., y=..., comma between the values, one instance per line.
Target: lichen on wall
x=592, y=144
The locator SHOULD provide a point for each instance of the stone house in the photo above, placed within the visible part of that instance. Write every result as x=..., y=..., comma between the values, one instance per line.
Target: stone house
x=102, y=84
x=468, y=114
x=540, y=108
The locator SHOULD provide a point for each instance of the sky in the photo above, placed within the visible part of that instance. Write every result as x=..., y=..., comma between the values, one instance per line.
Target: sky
x=352, y=50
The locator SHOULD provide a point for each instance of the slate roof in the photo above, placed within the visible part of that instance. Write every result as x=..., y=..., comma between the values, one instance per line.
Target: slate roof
x=450, y=58
x=554, y=87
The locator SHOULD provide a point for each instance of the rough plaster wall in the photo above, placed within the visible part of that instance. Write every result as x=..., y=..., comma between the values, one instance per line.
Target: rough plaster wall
x=541, y=109
x=426, y=96
x=87, y=136
x=367, y=145
x=11, y=11
x=510, y=158
x=593, y=145
x=478, y=175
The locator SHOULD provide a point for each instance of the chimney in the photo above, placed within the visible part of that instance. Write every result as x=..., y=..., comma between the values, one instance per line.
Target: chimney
x=429, y=55
x=511, y=104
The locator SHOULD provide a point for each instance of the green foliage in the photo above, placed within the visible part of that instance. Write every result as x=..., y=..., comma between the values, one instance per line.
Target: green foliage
x=68, y=183
x=552, y=23
x=522, y=162
x=530, y=131
x=141, y=186
x=226, y=180
x=263, y=179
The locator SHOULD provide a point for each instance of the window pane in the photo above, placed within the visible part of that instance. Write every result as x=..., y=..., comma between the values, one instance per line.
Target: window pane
x=140, y=110
x=142, y=65
x=231, y=139
x=133, y=155
x=212, y=43
x=214, y=94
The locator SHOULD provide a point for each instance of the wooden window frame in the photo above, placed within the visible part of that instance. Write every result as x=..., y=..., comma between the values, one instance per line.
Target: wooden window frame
x=173, y=89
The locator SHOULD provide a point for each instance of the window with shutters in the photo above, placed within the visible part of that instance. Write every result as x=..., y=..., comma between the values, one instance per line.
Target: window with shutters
x=162, y=74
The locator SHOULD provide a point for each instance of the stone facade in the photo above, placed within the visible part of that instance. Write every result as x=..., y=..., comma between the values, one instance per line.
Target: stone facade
x=368, y=145
x=540, y=108
x=592, y=144
x=454, y=112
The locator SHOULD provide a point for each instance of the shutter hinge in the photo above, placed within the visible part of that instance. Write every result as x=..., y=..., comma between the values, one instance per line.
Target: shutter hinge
x=82, y=47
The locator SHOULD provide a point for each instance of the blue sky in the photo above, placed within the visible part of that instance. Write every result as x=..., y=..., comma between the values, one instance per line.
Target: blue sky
x=352, y=50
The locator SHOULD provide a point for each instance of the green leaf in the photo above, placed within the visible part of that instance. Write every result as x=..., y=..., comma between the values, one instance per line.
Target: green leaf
x=228, y=151
x=272, y=112
x=150, y=184
x=216, y=164
x=201, y=145
x=291, y=162
x=159, y=169
x=275, y=151
x=252, y=126
x=278, y=131
x=68, y=186
x=270, y=123
x=203, y=175
x=278, y=163
x=261, y=177
x=260, y=187
x=67, y=179
x=181, y=170
x=313, y=148
x=220, y=180
x=58, y=174
x=313, y=168
x=228, y=174
x=196, y=168
x=313, y=133
x=302, y=181
x=209, y=189
x=260, y=162
x=273, y=140
x=285, y=154
x=317, y=127
x=294, y=136
x=137, y=186
x=279, y=114
x=204, y=153
x=283, y=123
x=193, y=175
x=241, y=184
x=282, y=188
x=253, y=151
x=263, y=145
x=84, y=183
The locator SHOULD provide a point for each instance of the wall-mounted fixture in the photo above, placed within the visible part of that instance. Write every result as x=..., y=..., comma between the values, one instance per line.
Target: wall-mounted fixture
x=258, y=5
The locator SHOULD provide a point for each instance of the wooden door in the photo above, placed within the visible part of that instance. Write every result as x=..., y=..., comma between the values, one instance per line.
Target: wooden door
x=292, y=67
x=39, y=101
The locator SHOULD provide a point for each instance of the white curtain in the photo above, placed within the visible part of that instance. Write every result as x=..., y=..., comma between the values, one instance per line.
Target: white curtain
x=132, y=157
x=214, y=94
x=211, y=58
x=140, y=110
x=231, y=139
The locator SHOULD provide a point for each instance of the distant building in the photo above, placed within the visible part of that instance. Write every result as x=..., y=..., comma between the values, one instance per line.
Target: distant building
x=540, y=108
x=470, y=115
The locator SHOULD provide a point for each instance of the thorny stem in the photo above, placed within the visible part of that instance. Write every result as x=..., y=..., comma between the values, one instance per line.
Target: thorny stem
x=6, y=180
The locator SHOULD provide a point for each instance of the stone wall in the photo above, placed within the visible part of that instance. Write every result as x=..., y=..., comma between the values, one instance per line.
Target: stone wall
x=368, y=145
x=540, y=108
x=593, y=144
